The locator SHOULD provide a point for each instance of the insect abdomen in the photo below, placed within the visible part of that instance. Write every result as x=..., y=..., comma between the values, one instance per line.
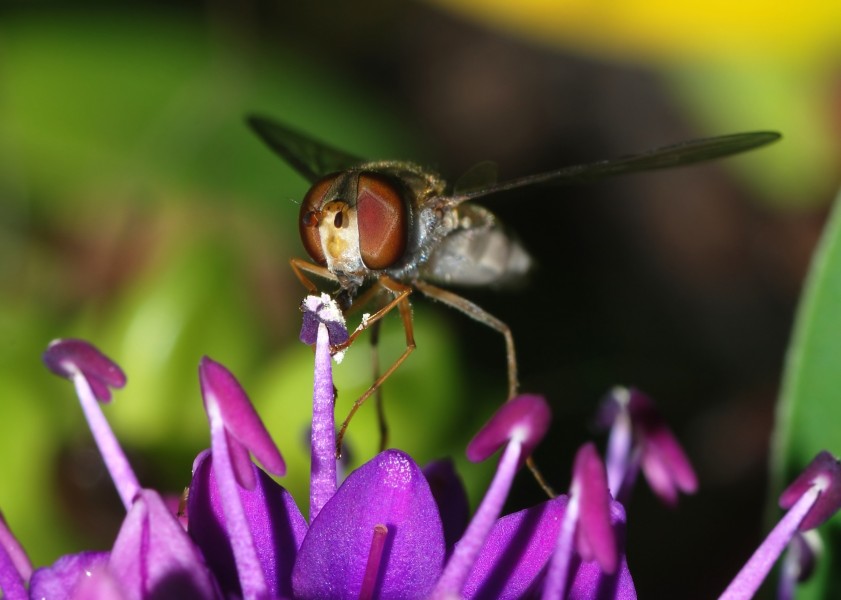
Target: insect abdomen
x=480, y=252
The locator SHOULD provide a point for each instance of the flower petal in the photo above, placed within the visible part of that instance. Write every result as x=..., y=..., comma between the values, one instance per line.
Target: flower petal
x=526, y=417
x=15, y=567
x=451, y=498
x=154, y=557
x=99, y=584
x=67, y=357
x=824, y=471
x=590, y=581
x=388, y=490
x=60, y=580
x=665, y=464
x=517, y=549
x=799, y=563
x=276, y=524
x=241, y=420
x=596, y=538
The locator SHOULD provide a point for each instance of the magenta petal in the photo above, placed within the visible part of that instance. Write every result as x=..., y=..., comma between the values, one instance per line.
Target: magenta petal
x=517, y=549
x=60, y=580
x=241, y=463
x=153, y=557
x=276, y=525
x=659, y=478
x=591, y=582
x=70, y=356
x=824, y=470
x=595, y=534
x=664, y=462
x=525, y=417
x=241, y=420
x=388, y=490
x=660, y=448
x=451, y=498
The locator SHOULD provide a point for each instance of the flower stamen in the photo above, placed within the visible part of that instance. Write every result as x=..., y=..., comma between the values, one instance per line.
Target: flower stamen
x=641, y=439
x=92, y=373
x=324, y=326
x=811, y=499
x=375, y=558
x=586, y=526
x=14, y=552
x=518, y=425
x=323, y=481
x=235, y=429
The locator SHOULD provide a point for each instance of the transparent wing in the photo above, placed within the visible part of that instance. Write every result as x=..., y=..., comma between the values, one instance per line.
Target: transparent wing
x=310, y=158
x=480, y=176
x=684, y=153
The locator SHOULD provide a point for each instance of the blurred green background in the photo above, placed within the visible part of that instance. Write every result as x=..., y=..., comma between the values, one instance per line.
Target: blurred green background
x=137, y=211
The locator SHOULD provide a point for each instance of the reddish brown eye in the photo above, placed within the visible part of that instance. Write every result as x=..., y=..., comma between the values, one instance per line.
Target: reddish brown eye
x=382, y=221
x=310, y=216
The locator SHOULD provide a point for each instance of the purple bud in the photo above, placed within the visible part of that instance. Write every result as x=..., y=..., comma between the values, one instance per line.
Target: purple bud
x=525, y=418
x=70, y=357
x=391, y=490
x=825, y=472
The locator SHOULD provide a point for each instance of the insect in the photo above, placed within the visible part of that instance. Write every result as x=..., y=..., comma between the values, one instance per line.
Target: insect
x=395, y=226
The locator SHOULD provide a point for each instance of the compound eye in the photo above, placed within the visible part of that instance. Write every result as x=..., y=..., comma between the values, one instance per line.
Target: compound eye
x=310, y=216
x=382, y=220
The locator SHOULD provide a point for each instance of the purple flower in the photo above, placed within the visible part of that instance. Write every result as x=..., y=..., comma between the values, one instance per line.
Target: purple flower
x=811, y=499
x=390, y=529
x=640, y=438
x=152, y=556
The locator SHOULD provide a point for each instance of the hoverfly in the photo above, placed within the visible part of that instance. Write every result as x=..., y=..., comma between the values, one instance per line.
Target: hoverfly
x=395, y=226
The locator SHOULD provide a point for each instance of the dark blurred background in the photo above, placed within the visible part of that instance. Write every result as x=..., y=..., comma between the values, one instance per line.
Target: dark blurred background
x=137, y=211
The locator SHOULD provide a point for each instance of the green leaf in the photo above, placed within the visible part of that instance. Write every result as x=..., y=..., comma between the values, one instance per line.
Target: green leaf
x=809, y=412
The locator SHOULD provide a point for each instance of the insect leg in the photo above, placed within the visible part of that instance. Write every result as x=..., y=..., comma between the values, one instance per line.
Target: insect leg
x=479, y=314
x=360, y=301
x=401, y=301
x=365, y=298
x=475, y=312
x=301, y=267
x=378, y=394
